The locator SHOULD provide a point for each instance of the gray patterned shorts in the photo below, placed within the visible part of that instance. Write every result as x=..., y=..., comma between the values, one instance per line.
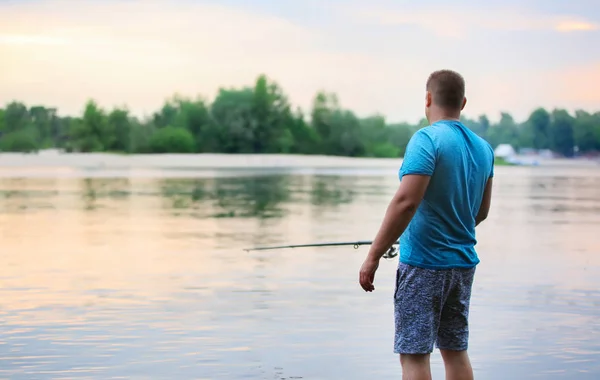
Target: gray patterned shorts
x=431, y=306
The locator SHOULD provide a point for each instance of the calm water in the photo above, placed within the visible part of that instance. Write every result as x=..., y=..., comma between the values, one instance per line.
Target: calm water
x=146, y=278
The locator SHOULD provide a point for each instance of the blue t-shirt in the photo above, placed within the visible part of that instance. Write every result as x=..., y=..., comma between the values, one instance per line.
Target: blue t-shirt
x=442, y=232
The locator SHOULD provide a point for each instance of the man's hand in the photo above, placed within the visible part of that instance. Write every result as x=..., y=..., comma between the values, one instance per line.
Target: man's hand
x=367, y=274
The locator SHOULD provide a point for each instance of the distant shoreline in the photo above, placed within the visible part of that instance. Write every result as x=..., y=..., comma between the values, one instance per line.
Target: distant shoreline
x=191, y=161
x=209, y=161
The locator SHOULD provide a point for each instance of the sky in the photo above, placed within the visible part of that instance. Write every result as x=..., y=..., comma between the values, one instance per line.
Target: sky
x=375, y=55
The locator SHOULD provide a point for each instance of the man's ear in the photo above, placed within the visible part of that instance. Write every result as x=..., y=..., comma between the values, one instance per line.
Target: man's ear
x=464, y=104
x=428, y=99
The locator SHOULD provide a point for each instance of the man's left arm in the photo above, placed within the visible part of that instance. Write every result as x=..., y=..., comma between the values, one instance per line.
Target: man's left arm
x=417, y=168
x=399, y=213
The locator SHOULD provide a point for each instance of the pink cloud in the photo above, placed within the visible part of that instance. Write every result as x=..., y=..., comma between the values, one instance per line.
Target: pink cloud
x=139, y=53
x=465, y=20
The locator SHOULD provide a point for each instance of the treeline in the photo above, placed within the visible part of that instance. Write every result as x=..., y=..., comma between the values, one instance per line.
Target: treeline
x=260, y=119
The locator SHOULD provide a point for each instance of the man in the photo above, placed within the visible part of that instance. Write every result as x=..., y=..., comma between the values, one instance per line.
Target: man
x=445, y=191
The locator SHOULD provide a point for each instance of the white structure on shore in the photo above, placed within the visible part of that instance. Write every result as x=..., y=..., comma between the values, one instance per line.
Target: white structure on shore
x=505, y=151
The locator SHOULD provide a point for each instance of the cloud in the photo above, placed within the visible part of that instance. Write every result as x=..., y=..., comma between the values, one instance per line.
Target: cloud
x=150, y=30
x=140, y=52
x=456, y=23
x=570, y=26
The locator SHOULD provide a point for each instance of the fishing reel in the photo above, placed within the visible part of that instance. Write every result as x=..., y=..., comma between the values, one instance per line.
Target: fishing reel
x=391, y=253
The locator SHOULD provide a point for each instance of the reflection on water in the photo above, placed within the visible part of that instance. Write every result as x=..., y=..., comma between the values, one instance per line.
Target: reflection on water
x=255, y=197
x=146, y=278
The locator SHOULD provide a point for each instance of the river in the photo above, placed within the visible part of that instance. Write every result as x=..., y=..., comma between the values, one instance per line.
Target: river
x=140, y=273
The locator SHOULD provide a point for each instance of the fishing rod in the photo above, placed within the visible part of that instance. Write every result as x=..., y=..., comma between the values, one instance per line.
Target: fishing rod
x=390, y=254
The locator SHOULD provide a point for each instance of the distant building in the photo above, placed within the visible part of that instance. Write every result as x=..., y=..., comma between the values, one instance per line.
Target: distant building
x=504, y=151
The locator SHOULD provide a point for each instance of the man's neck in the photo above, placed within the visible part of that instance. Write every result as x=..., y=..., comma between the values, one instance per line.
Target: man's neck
x=441, y=117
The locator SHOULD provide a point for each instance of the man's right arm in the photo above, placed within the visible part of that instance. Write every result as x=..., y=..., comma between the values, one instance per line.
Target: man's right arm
x=484, y=209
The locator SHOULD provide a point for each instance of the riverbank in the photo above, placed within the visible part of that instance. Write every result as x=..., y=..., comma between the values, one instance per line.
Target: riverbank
x=189, y=161
x=103, y=161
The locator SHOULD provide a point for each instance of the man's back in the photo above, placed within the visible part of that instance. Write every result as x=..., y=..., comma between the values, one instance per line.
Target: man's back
x=442, y=231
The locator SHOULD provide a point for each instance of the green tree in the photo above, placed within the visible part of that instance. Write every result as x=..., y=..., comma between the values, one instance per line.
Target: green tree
x=167, y=114
x=273, y=118
x=41, y=120
x=194, y=115
x=24, y=140
x=399, y=135
x=172, y=140
x=505, y=131
x=304, y=138
x=323, y=108
x=260, y=119
x=120, y=124
x=480, y=126
x=2, y=122
x=585, y=128
x=538, y=126
x=374, y=133
x=90, y=134
x=16, y=117
x=141, y=135
x=232, y=113
x=596, y=118
x=562, y=137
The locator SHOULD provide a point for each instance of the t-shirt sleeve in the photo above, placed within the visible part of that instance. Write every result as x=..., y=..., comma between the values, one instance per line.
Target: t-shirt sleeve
x=420, y=156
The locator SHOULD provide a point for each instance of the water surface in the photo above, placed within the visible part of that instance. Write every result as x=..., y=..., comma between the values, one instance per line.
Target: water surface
x=143, y=276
